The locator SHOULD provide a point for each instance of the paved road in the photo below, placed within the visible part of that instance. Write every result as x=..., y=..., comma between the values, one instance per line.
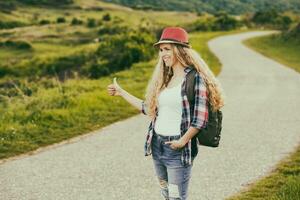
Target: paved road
x=261, y=126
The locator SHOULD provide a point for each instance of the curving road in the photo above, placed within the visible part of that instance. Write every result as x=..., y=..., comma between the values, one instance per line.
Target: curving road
x=261, y=126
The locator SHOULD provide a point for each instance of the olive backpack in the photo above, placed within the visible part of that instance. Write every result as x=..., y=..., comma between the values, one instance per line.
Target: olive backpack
x=210, y=135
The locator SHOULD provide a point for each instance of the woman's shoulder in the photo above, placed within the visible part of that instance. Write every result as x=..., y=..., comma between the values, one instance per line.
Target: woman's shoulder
x=198, y=75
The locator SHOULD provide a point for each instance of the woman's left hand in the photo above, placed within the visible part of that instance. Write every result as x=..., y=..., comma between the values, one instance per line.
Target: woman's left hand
x=176, y=144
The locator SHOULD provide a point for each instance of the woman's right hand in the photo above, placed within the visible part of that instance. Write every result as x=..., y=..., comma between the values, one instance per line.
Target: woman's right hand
x=114, y=89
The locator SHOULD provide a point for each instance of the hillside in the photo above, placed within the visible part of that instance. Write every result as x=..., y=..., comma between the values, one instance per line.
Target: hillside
x=55, y=67
x=230, y=6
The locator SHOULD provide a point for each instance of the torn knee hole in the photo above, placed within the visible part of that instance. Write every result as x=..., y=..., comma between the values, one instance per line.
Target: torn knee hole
x=173, y=191
x=163, y=183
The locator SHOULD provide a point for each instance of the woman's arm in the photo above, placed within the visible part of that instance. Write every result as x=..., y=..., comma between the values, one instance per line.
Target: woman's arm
x=115, y=90
x=134, y=101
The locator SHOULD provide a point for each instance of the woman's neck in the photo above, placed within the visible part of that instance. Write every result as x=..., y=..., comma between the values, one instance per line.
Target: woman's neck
x=178, y=70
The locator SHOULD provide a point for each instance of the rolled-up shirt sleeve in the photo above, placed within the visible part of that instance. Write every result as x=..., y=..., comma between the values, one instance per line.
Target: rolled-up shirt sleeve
x=144, y=108
x=200, y=111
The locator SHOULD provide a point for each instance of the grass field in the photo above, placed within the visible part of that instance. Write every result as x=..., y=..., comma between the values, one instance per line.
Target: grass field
x=286, y=52
x=283, y=183
x=55, y=111
x=76, y=106
x=61, y=39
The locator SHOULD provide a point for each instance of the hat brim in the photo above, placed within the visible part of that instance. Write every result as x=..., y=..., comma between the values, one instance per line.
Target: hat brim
x=171, y=41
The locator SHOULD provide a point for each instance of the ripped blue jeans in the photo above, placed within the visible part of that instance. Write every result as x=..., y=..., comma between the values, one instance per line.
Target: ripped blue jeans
x=173, y=177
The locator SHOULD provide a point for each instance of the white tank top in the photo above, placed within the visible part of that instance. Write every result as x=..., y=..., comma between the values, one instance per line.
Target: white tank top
x=169, y=111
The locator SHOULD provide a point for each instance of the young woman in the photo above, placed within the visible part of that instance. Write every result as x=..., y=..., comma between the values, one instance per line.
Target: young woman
x=170, y=139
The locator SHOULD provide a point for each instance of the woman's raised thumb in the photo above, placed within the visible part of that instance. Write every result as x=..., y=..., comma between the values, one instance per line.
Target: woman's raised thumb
x=115, y=81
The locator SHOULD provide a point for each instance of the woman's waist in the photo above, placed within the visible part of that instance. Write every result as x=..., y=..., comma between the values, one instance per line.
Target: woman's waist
x=166, y=137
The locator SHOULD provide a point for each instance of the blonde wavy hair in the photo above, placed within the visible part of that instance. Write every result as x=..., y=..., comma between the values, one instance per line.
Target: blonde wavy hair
x=162, y=75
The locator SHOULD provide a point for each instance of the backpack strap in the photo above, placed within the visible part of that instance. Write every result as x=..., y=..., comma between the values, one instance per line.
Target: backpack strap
x=190, y=91
x=190, y=87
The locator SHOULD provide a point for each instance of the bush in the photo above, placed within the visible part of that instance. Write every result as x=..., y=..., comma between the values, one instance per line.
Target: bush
x=99, y=69
x=122, y=50
x=21, y=45
x=283, y=22
x=91, y=23
x=225, y=23
x=265, y=17
x=7, y=7
x=106, y=17
x=272, y=18
x=76, y=21
x=203, y=24
x=10, y=24
x=60, y=20
x=112, y=30
x=63, y=66
x=4, y=71
x=222, y=22
x=293, y=34
x=44, y=22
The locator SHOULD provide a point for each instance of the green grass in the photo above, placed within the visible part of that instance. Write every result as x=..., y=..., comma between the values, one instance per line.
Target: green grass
x=55, y=40
x=286, y=52
x=131, y=17
x=42, y=51
x=283, y=183
x=58, y=111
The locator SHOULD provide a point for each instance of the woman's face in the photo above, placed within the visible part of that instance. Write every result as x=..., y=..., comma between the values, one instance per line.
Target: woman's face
x=167, y=54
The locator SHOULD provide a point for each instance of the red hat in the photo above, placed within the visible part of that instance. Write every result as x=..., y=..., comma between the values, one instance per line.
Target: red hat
x=175, y=35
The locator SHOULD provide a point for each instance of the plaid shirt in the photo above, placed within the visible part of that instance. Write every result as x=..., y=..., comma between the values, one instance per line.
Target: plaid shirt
x=198, y=118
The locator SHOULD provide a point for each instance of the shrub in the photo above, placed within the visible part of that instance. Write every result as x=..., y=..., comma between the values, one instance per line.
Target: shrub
x=63, y=65
x=108, y=29
x=7, y=7
x=225, y=23
x=222, y=22
x=10, y=24
x=119, y=52
x=272, y=18
x=21, y=45
x=44, y=22
x=203, y=24
x=283, y=22
x=91, y=23
x=265, y=17
x=293, y=34
x=4, y=70
x=99, y=69
x=106, y=17
x=60, y=20
x=76, y=21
